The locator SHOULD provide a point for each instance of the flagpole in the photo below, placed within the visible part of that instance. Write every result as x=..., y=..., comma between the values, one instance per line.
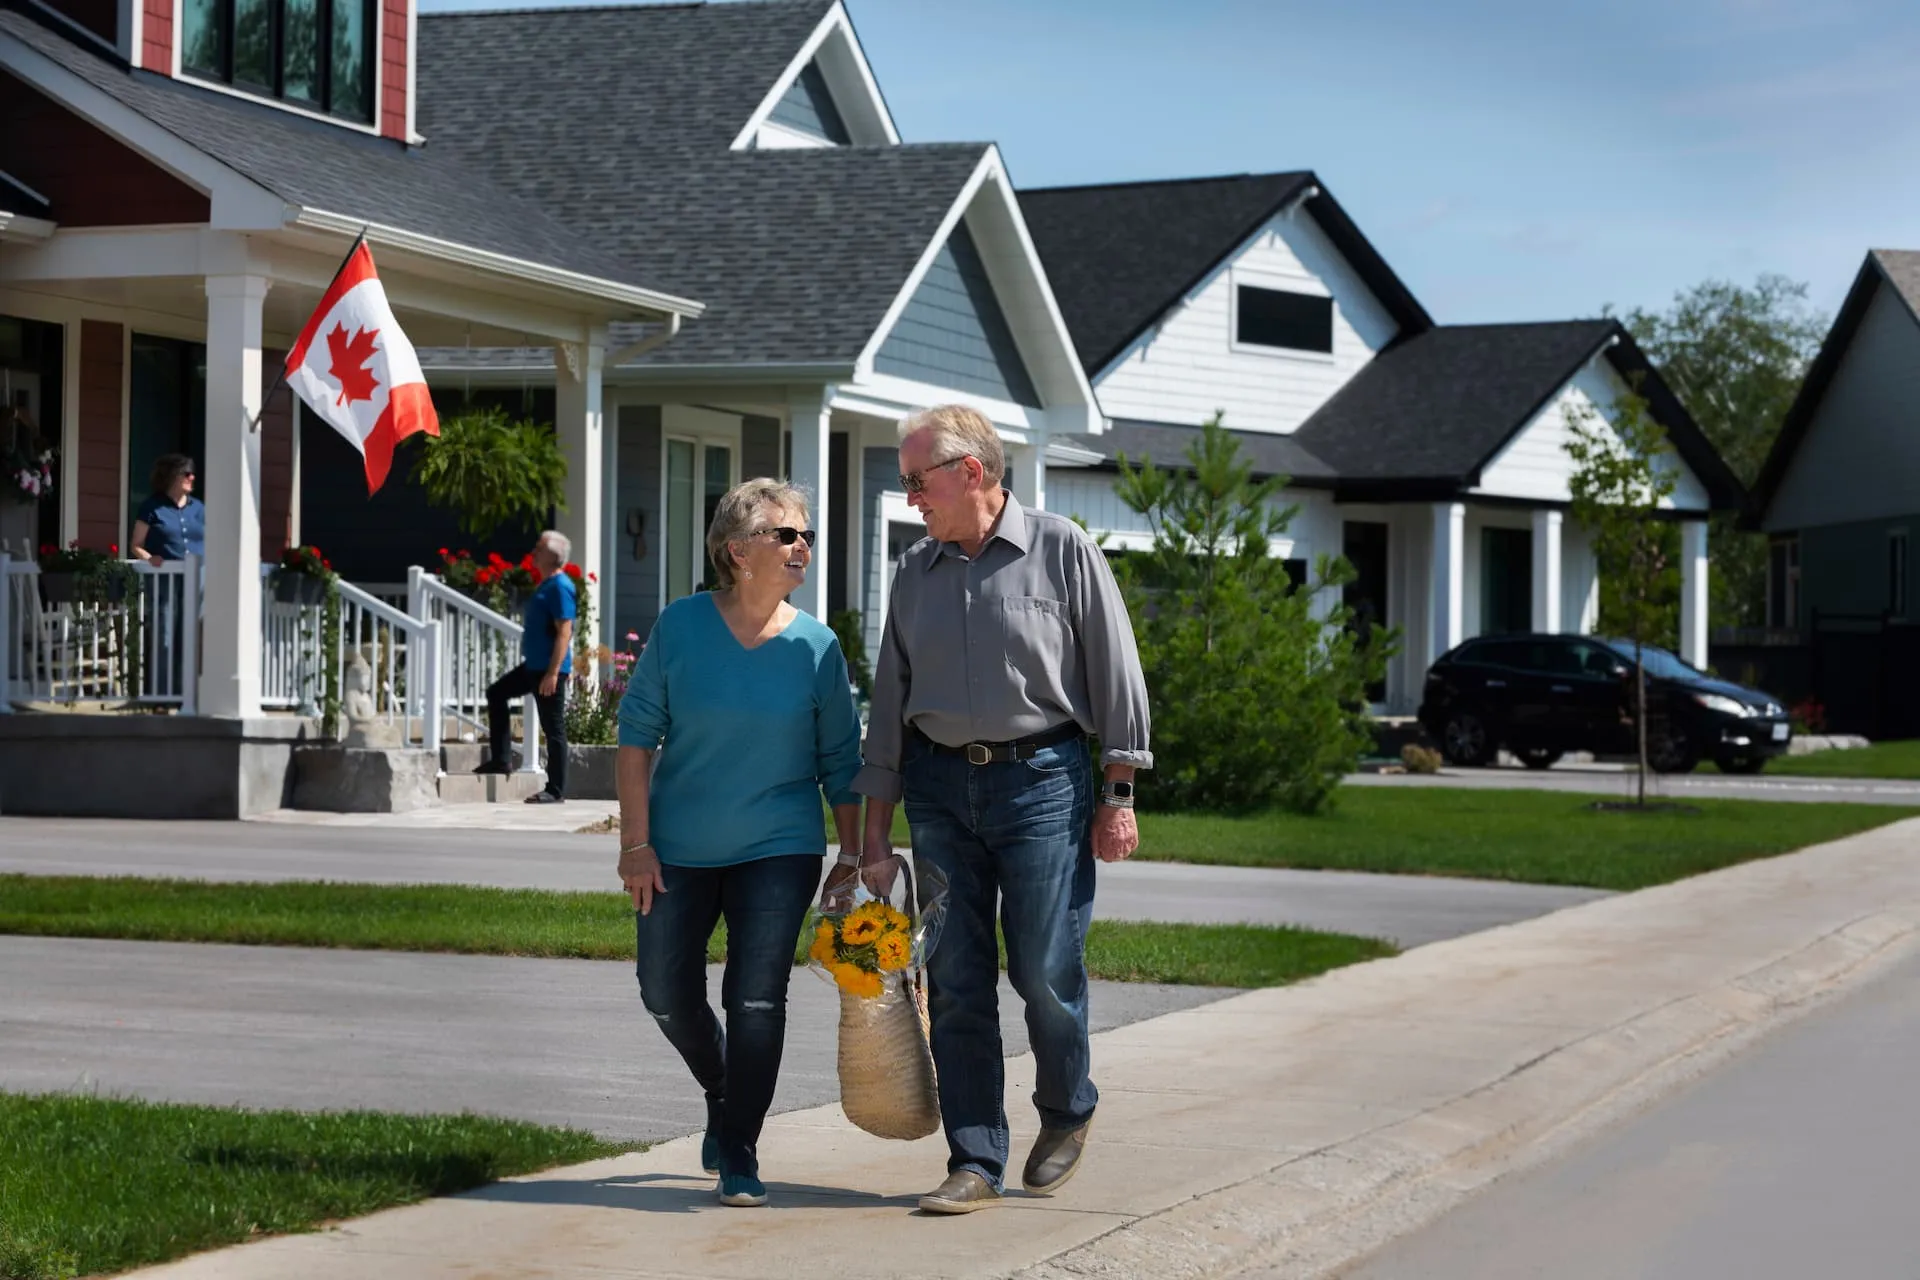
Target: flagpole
x=280, y=380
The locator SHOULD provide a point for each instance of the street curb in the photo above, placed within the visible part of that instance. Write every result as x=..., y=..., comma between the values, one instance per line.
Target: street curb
x=1322, y=1211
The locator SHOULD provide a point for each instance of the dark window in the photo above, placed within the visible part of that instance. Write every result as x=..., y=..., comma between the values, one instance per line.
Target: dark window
x=1292, y=321
x=1897, y=574
x=1519, y=655
x=314, y=53
x=1783, y=583
x=1296, y=571
x=1506, y=581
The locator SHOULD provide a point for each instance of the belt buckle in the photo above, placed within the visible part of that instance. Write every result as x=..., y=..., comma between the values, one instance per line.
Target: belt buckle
x=979, y=753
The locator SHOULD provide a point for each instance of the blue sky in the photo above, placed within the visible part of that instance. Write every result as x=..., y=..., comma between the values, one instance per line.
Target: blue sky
x=1513, y=159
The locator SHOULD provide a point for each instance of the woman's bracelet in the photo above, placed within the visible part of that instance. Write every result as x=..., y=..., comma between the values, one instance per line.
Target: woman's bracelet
x=635, y=848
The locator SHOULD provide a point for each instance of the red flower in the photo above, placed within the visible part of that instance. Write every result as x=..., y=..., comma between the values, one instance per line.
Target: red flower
x=593, y=577
x=113, y=548
x=443, y=553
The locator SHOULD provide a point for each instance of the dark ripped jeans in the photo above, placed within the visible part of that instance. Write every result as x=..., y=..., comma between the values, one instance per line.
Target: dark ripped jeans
x=764, y=903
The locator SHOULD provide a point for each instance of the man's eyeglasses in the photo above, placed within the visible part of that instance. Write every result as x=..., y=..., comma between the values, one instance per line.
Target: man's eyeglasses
x=789, y=535
x=915, y=481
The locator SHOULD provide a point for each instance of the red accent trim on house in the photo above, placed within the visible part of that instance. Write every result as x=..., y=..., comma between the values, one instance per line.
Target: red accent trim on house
x=393, y=69
x=90, y=178
x=276, y=468
x=102, y=367
x=156, y=36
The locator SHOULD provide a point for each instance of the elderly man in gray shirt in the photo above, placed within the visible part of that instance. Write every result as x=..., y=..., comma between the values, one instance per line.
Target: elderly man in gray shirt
x=1006, y=644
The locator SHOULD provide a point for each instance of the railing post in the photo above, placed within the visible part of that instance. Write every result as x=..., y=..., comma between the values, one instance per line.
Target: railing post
x=416, y=593
x=191, y=587
x=6, y=633
x=433, y=723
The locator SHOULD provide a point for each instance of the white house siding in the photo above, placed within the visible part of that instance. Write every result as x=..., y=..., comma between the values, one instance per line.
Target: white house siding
x=1186, y=368
x=1535, y=463
x=1090, y=496
x=1860, y=458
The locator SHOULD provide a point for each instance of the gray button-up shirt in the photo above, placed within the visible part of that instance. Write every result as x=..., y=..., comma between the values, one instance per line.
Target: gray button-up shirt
x=1024, y=637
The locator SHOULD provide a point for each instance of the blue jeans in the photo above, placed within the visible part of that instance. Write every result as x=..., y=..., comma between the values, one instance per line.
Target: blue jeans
x=1017, y=836
x=764, y=903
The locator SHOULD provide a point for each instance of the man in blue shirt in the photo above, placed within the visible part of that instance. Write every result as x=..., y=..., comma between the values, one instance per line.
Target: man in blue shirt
x=546, y=660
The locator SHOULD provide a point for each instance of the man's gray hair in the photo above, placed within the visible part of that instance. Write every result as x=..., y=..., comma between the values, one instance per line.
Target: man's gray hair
x=956, y=431
x=560, y=542
x=740, y=513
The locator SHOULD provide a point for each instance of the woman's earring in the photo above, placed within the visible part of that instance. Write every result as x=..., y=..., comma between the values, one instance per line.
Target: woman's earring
x=747, y=574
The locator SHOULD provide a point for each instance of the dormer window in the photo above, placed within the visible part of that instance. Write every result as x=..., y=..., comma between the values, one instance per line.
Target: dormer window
x=316, y=54
x=1282, y=320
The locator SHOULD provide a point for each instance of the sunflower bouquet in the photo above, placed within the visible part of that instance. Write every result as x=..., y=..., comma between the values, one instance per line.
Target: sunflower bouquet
x=873, y=951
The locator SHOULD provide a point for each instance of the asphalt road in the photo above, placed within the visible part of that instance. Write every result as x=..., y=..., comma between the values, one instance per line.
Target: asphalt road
x=1797, y=1159
x=555, y=1041
x=1408, y=910
x=1613, y=780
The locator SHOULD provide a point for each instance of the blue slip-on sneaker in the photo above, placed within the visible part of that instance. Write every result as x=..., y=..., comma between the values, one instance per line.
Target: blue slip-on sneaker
x=742, y=1190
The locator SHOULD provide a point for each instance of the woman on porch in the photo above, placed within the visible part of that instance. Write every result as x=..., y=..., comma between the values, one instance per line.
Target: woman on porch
x=171, y=524
x=746, y=701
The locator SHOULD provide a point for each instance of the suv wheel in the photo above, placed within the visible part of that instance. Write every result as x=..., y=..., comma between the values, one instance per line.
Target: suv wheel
x=1540, y=757
x=1669, y=750
x=1465, y=740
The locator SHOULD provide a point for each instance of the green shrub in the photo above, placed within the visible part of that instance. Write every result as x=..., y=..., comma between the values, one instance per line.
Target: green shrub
x=1258, y=686
x=493, y=471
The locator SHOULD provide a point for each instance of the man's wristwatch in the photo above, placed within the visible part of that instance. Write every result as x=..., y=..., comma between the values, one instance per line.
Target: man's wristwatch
x=1117, y=794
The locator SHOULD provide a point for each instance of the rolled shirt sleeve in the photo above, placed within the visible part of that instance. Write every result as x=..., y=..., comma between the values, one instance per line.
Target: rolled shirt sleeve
x=879, y=775
x=1116, y=686
x=836, y=728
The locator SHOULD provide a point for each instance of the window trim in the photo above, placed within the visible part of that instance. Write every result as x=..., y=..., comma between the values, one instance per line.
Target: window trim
x=702, y=444
x=185, y=71
x=1238, y=279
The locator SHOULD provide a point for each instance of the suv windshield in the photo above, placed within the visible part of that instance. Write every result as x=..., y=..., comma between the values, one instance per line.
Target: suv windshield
x=1660, y=664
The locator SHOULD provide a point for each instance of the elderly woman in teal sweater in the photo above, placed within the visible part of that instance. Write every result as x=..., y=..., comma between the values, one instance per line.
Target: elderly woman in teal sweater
x=746, y=703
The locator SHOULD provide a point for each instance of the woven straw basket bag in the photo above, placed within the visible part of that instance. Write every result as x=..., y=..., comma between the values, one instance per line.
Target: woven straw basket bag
x=887, y=1085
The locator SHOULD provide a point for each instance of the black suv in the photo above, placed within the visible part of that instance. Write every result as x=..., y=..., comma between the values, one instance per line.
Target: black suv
x=1540, y=696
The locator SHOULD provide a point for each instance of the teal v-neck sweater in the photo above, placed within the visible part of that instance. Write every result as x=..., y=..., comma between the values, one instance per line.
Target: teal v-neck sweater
x=749, y=739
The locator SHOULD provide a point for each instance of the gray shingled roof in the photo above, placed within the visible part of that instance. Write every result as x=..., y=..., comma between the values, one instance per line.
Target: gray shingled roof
x=1165, y=444
x=1902, y=269
x=620, y=119
x=320, y=166
x=1440, y=405
x=1118, y=256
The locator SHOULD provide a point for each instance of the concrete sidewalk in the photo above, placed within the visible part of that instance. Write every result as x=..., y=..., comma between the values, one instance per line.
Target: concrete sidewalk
x=1280, y=1133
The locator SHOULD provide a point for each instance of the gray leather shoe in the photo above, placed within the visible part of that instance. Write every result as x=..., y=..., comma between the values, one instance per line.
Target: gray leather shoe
x=1055, y=1157
x=962, y=1192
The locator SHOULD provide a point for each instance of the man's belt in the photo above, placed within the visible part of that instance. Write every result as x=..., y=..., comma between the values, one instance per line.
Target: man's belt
x=1018, y=749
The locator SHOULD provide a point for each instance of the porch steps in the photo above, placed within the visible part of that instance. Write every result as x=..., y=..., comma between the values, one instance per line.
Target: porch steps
x=459, y=784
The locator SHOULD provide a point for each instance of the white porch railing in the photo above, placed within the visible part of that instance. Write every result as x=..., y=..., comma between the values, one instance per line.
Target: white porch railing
x=402, y=653
x=143, y=647
x=477, y=647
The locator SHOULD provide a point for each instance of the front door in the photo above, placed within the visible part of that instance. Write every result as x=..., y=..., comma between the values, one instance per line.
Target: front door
x=1364, y=543
x=1506, y=581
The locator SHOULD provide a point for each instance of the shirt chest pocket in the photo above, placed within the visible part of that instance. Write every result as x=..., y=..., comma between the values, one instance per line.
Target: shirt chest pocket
x=1038, y=634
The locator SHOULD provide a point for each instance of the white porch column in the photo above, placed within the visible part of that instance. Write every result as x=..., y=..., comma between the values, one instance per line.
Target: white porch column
x=1028, y=463
x=1546, y=570
x=577, y=421
x=810, y=420
x=1448, y=608
x=1693, y=592
x=230, y=487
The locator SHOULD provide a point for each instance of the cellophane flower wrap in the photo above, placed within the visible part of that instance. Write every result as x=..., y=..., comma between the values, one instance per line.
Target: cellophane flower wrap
x=872, y=943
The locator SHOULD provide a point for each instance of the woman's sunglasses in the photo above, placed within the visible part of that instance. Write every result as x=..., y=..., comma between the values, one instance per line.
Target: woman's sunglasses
x=789, y=535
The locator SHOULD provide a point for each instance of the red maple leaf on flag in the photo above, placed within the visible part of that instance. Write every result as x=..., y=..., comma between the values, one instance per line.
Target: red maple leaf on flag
x=349, y=356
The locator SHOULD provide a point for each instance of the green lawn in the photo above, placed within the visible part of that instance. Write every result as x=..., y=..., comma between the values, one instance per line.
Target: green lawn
x=591, y=926
x=1884, y=760
x=93, y=1185
x=1542, y=837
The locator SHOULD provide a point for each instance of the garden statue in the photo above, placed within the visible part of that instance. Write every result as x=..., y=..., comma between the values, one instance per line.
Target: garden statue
x=365, y=728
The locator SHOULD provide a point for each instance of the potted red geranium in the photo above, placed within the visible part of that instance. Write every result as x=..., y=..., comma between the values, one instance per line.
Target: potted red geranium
x=302, y=577
x=74, y=572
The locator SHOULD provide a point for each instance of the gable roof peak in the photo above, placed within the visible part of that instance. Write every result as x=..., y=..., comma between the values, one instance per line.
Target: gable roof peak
x=1290, y=176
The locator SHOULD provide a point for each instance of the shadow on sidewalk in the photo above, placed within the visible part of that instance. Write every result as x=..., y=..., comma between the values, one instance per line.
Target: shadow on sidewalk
x=673, y=1193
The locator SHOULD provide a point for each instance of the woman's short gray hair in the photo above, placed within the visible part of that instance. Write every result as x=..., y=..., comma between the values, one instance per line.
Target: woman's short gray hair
x=738, y=515
x=958, y=431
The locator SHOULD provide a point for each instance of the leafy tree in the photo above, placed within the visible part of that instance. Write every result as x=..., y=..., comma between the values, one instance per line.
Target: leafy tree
x=1258, y=699
x=1622, y=474
x=1735, y=355
x=493, y=470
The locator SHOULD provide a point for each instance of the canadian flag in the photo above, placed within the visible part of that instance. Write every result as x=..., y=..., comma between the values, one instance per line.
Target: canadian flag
x=354, y=367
